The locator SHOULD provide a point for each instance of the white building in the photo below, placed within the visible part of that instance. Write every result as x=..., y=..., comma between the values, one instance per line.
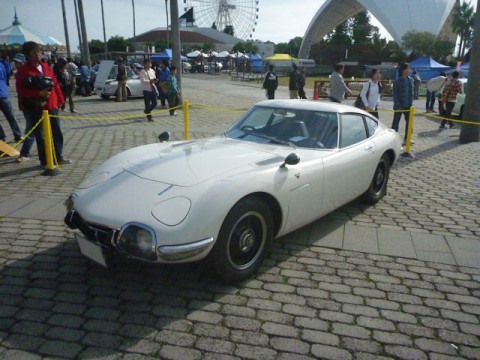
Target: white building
x=397, y=16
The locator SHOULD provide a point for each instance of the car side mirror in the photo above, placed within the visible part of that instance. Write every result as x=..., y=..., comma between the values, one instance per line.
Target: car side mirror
x=164, y=136
x=291, y=159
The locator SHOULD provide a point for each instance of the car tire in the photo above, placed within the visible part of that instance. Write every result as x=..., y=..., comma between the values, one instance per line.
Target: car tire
x=378, y=186
x=243, y=240
x=83, y=90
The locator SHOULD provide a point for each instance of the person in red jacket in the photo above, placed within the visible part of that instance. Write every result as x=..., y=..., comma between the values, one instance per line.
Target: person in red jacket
x=38, y=90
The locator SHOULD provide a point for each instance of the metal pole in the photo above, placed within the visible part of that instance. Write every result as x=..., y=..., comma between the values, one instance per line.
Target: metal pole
x=67, y=41
x=134, y=35
x=176, y=46
x=86, y=50
x=104, y=33
x=80, y=42
x=166, y=11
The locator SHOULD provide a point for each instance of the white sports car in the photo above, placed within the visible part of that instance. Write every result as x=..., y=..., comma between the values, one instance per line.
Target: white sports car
x=280, y=166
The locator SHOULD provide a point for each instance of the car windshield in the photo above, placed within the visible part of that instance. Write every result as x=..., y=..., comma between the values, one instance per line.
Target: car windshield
x=298, y=127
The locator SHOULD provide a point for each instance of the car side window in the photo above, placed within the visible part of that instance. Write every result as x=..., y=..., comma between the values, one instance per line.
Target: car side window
x=372, y=126
x=353, y=130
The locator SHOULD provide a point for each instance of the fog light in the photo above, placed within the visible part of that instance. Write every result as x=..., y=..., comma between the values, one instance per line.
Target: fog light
x=138, y=241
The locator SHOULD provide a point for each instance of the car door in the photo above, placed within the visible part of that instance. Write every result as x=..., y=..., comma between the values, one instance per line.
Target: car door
x=349, y=170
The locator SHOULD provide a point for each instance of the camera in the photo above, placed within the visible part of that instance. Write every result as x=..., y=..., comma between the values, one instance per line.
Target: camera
x=38, y=82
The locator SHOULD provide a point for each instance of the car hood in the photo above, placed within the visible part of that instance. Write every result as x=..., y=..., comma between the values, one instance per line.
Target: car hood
x=190, y=163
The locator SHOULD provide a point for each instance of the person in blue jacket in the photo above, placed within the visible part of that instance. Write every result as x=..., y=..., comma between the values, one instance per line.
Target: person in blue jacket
x=6, y=107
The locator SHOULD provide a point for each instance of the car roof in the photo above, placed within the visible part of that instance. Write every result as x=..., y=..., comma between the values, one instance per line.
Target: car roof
x=310, y=105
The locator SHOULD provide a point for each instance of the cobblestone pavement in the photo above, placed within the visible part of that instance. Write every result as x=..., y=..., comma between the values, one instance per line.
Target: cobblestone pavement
x=308, y=300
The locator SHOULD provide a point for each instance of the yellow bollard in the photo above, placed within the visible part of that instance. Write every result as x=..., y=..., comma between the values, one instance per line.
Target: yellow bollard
x=50, y=169
x=185, y=119
x=407, y=152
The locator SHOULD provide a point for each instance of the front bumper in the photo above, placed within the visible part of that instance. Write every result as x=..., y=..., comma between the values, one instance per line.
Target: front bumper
x=106, y=240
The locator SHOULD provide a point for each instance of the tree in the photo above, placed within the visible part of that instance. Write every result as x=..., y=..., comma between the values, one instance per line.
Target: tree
x=340, y=35
x=471, y=132
x=96, y=46
x=229, y=30
x=248, y=46
x=462, y=24
x=361, y=28
x=424, y=43
x=292, y=47
x=117, y=43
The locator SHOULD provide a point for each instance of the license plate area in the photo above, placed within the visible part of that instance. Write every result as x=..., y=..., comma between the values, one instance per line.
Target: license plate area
x=91, y=250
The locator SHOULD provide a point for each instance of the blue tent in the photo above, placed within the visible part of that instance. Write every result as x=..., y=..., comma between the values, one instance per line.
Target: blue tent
x=165, y=55
x=256, y=62
x=427, y=68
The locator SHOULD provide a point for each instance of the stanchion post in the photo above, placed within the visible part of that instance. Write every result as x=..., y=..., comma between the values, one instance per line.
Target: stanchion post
x=185, y=119
x=50, y=169
x=407, y=152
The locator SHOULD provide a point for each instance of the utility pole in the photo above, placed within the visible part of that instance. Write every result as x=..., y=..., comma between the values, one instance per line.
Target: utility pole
x=471, y=132
x=85, y=49
x=67, y=41
x=175, y=43
x=80, y=42
x=166, y=11
x=105, y=45
x=134, y=35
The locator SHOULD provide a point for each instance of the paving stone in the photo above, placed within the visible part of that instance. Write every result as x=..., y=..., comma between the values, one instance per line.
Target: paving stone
x=330, y=352
x=255, y=352
x=215, y=345
x=176, y=352
x=290, y=345
x=357, y=345
x=405, y=353
x=350, y=330
x=280, y=330
x=60, y=349
x=250, y=338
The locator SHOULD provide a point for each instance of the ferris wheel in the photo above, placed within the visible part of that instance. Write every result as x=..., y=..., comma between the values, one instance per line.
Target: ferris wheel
x=242, y=15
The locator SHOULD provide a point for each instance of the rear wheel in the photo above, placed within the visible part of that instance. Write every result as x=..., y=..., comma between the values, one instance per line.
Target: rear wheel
x=378, y=186
x=243, y=240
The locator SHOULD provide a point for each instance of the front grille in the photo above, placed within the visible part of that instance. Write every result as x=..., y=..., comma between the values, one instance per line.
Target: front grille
x=93, y=232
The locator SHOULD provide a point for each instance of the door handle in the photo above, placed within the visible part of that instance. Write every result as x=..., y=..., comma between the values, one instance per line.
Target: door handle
x=368, y=148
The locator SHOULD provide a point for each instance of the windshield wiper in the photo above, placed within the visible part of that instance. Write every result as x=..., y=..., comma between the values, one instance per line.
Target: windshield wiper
x=274, y=139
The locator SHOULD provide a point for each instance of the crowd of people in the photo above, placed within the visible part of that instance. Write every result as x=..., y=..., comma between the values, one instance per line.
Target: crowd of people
x=49, y=85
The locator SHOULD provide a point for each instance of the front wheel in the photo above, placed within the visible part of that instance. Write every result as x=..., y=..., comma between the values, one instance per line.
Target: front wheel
x=243, y=240
x=378, y=186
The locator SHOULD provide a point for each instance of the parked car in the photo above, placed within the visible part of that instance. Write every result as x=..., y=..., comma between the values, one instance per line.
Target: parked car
x=459, y=104
x=282, y=165
x=134, y=85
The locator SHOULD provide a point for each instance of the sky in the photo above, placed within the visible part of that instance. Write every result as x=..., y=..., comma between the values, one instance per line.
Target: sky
x=275, y=20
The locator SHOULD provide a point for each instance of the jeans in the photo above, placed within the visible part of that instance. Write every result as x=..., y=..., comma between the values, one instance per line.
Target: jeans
x=32, y=117
x=430, y=100
x=448, y=113
x=397, y=115
x=150, y=100
x=173, y=102
x=6, y=107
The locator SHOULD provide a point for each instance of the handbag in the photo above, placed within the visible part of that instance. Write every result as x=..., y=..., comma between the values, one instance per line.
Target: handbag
x=155, y=90
x=359, y=102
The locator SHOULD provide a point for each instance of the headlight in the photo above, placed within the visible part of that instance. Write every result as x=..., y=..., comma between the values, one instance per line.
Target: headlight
x=138, y=241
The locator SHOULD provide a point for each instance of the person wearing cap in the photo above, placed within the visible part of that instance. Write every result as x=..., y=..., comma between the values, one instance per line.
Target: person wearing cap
x=270, y=82
x=6, y=107
x=33, y=100
x=18, y=60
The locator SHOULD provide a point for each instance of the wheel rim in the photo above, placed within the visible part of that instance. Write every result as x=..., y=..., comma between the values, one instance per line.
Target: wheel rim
x=379, y=178
x=246, y=240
